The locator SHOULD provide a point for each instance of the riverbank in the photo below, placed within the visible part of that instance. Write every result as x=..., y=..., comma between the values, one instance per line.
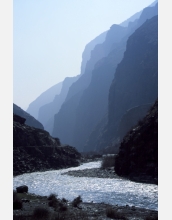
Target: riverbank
x=34, y=205
x=85, y=210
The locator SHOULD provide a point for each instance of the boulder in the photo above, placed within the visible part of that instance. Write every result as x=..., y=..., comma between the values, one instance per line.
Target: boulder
x=22, y=189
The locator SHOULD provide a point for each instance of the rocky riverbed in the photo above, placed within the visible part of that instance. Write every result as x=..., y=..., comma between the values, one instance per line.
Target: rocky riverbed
x=83, y=210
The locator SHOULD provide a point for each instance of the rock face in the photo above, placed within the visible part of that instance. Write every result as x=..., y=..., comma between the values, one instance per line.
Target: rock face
x=138, y=153
x=131, y=118
x=30, y=120
x=35, y=150
x=136, y=78
x=68, y=111
x=87, y=105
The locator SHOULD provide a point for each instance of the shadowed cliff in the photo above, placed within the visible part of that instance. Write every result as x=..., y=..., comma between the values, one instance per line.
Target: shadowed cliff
x=138, y=152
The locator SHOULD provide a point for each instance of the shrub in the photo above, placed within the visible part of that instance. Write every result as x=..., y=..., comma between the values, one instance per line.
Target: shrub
x=52, y=196
x=62, y=206
x=114, y=214
x=76, y=201
x=53, y=202
x=41, y=213
x=64, y=200
x=17, y=202
x=108, y=161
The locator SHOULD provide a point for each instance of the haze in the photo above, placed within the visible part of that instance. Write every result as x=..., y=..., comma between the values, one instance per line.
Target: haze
x=50, y=36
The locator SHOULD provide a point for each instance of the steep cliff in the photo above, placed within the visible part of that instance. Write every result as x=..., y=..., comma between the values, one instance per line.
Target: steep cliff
x=93, y=103
x=136, y=78
x=65, y=128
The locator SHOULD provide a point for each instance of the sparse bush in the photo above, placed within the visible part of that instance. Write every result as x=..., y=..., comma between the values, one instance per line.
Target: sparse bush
x=76, y=201
x=17, y=202
x=62, y=206
x=108, y=161
x=53, y=202
x=114, y=214
x=52, y=196
x=64, y=200
x=41, y=213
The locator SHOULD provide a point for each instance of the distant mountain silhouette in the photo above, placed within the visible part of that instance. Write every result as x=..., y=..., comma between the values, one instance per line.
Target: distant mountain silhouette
x=65, y=130
x=30, y=120
x=135, y=16
x=43, y=99
x=46, y=112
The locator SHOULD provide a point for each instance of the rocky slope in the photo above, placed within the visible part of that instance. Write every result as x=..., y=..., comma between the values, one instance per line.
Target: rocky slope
x=138, y=153
x=30, y=120
x=35, y=150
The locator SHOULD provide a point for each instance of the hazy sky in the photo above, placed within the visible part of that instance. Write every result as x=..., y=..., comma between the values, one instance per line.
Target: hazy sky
x=49, y=37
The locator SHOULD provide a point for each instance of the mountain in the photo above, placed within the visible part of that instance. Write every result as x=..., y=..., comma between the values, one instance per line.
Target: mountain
x=138, y=153
x=87, y=100
x=43, y=99
x=136, y=78
x=135, y=16
x=46, y=112
x=89, y=47
x=30, y=120
x=35, y=150
x=64, y=122
x=93, y=104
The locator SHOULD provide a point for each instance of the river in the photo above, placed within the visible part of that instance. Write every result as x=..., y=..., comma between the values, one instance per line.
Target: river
x=111, y=191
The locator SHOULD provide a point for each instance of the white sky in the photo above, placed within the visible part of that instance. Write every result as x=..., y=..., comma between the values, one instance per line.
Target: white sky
x=49, y=37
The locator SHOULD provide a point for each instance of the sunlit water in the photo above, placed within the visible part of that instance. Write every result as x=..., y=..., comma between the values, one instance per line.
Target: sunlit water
x=111, y=191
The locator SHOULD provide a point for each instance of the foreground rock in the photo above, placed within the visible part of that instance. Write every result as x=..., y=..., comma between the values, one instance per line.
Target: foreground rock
x=83, y=211
x=35, y=150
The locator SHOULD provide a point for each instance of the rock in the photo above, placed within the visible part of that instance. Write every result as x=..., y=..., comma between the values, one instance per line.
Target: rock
x=36, y=150
x=22, y=189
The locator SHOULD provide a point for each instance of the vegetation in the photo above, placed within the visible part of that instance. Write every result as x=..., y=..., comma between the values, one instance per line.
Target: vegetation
x=76, y=201
x=41, y=212
x=52, y=196
x=114, y=214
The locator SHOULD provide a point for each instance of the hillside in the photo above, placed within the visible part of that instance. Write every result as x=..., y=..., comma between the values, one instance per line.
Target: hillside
x=35, y=150
x=30, y=120
x=138, y=152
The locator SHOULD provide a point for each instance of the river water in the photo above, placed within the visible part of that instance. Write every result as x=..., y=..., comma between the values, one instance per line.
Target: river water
x=111, y=191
